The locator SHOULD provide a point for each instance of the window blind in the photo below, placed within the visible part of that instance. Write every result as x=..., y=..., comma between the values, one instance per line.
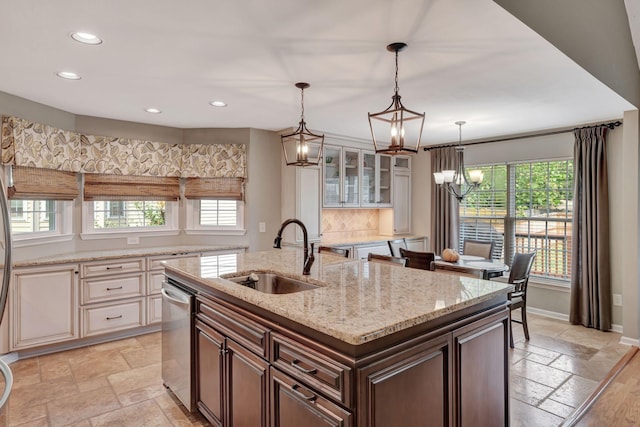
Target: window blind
x=121, y=187
x=42, y=184
x=214, y=188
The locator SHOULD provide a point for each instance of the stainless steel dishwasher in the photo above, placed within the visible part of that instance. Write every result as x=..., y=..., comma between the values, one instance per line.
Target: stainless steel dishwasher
x=177, y=360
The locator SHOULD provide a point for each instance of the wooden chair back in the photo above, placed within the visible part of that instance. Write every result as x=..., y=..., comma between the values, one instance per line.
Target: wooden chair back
x=387, y=259
x=415, y=259
x=395, y=245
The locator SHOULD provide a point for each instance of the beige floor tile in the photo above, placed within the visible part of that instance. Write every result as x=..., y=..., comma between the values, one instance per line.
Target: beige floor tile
x=143, y=356
x=556, y=408
x=571, y=348
x=43, y=392
x=141, y=394
x=82, y=406
x=92, y=384
x=137, y=378
x=538, y=358
x=49, y=371
x=117, y=345
x=143, y=414
x=540, y=373
x=151, y=339
x=592, y=369
x=22, y=414
x=42, y=422
x=574, y=391
x=523, y=415
x=98, y=364
x=528, y=391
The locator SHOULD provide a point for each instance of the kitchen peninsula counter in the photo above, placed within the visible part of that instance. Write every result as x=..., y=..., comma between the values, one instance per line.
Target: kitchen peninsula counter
x=374, y=345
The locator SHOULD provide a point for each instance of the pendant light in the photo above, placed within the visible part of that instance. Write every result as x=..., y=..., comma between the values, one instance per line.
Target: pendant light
x=302, y=147
x=396, y=130
x=453, y=180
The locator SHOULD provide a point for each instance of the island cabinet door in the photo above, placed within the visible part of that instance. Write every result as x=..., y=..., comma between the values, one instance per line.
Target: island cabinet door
x=408, y=388
x=247, y=387
x=295, y=405
x=210, y=350
x=482, y=372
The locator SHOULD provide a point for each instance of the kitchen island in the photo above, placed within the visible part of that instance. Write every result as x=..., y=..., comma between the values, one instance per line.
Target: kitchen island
x=371, y=345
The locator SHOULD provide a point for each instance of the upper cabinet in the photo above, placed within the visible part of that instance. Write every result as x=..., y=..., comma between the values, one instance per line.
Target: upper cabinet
x=341, y=177
x=376, y=180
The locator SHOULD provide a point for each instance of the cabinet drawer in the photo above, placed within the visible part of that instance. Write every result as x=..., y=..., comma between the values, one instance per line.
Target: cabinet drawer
x=112, y=317
x=252, y=335
x=96, y=290
x=116, y=266
x=155, y=263
x=311, y=367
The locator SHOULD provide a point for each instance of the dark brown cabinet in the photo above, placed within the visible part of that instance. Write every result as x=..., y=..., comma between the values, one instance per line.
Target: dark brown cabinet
x=232, y=387
x=416, y=383
x=295, y=405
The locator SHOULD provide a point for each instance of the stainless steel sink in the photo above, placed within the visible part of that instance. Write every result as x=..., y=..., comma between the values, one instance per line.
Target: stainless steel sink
x=271, y=283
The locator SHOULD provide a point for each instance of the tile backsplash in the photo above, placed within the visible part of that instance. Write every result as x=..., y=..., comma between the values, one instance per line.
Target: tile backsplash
x=349, y=223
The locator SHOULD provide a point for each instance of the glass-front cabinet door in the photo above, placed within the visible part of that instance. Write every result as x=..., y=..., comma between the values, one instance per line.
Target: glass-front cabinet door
x=351, y=181
x=376, y=180
x=332, y=173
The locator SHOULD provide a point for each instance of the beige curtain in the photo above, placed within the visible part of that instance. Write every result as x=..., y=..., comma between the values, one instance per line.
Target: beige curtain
x=590, y=274
x=126, y=187
x=214, y=188
x=42, y=184
x=444, y=207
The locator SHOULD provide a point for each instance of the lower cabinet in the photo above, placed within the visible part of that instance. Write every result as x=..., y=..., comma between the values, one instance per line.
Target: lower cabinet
x=43, y=305
x=295, y=405
x=232, y=387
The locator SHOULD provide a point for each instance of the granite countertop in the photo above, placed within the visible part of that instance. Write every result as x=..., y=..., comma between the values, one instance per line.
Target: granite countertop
x=119, y=253
x=356, y=301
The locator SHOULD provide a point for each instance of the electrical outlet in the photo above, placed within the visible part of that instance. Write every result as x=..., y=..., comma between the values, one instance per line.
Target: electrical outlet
x=133, y=240
x=263, y=227
x=617, y=300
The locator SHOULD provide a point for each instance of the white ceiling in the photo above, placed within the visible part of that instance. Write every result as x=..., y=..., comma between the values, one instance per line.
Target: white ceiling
x=466, y=60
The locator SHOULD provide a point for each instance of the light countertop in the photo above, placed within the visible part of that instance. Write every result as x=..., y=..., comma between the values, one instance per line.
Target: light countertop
x=119, y=253
x=357, y=301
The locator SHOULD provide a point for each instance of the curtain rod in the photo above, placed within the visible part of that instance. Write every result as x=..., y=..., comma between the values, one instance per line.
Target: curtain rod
x=610, y=125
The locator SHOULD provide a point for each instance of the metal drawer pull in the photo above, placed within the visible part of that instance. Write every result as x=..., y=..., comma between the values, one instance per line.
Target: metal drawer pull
x=116, y=268
x=114, y=289
x=295, y=362
x=116, y=317
x=295, y=389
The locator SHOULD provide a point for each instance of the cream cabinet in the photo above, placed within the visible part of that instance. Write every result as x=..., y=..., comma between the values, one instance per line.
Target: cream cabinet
x=308, y=208
x=376, y=180
x=43, y=308
x=341, y=177
x=113, y=295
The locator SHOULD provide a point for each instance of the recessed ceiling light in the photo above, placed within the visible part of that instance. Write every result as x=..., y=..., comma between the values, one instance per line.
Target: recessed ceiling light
x=68, y=75
x=86, y=38
x=152, y=110
x=218, y=103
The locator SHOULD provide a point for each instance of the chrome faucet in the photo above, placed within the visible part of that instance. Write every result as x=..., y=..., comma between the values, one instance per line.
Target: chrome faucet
x=308, y=257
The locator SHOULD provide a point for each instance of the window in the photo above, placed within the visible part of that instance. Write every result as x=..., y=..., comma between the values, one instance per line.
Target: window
x=109, y=217
x=216, y=215
x=524, y=207
x=38, y=221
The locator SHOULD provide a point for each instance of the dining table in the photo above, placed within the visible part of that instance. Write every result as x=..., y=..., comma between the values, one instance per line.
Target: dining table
x=490, y=267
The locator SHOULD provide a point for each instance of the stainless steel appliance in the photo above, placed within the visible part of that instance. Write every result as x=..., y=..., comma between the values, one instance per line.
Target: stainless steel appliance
x=177, y=314
x=5, y=249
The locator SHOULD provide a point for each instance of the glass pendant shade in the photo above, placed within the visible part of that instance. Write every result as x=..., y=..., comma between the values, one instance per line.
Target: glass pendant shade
x=302, y=147
x=396, y=130
x=456, y=181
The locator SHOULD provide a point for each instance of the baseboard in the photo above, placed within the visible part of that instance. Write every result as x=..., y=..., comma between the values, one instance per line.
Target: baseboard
x=629, y=341
x=617, y=328
x=547, y=313
x=9, y=358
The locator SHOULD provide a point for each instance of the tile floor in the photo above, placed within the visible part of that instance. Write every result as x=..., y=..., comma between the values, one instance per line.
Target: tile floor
x=119, y=384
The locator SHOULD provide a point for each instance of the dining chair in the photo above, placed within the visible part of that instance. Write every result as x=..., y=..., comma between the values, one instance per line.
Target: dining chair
x=415, y=259
x=458, y=270
x=337, y=251
x=519, y=277
x=481, y=248
x=395, y=245
x=387, y=259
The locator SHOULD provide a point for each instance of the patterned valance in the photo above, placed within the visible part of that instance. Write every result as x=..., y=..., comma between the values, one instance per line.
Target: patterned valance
x=35, y=145
x=30, y=144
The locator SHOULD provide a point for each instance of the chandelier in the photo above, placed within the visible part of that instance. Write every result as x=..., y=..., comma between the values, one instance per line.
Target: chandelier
x=399, y=127
x=456, y=181
x=302, y=147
